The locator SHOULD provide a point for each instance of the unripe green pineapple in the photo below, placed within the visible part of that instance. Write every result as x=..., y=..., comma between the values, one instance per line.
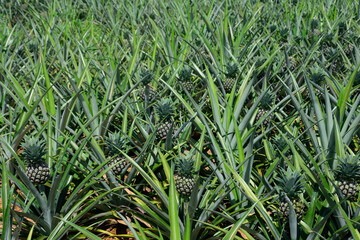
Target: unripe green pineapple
x=342, y=28
x=348, y=49
x=356, y=83
x=146, y=91
x=265, y=105
x=37, y=170
x=292, y=64
x=165, y=111
x=259, y=62
x=289, y=184
x=115, y=144
x=335, y=59
x=281, y=145
x=348, y=174
x=185, y=180
x=231, y=73
x=314, y=32
x=185, y=79
x=317, y=76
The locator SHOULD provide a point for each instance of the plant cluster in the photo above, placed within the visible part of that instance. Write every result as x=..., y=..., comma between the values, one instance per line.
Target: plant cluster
x=179, y=119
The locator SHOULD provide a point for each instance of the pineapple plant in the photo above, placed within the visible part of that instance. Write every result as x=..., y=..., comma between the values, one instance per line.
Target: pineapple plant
x=185, y=79
x=289, y=185
x=165, y=111
x=231, y=73
x=115, y=144
x=348, y=174
x=37, y=170
x=146, y=91
x=265, y=105
x=185, y=180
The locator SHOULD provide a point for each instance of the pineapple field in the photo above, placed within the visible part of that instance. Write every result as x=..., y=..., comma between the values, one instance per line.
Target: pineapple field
x=180, y=120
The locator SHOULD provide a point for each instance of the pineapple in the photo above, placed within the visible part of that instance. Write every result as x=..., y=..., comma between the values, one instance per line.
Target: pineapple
x=292, y=64
x=231, y=72
x=281, y=144
x=314, y=30
x=185, y=79
x=356, y=83
x=164, y=110
x=37, y=170
x=115, y=144
x=318, y=77
x=185, y=180
x=146, y=91
x=348, y=49
x=332, y=55
x=289, y=184
x=265, y=105
x=348, y=174
x=259, y=62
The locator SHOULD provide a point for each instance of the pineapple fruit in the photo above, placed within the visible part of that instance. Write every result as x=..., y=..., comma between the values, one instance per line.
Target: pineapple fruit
x=37, y=170
x=165, y=111
x=265, y=105
x=318, y=77
x=259, y=62
x=348, y=174
x=231, y=73
x=146, y=92
x=281, y=144
x=185, y=180
x=289, y=184
x=185, y=79
x=314, y=32
x=115, y=144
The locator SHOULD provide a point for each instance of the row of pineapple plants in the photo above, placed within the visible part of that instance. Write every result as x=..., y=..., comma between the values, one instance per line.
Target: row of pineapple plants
x=195, y=103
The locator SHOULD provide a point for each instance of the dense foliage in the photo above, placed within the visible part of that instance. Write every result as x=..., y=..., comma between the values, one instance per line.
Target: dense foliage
x=169, y=119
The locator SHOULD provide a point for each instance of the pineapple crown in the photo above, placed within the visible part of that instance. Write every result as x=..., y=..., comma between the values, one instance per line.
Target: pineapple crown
x=146, y=77
x=267, y=100
x=348, y=168
x=115, y=142
x=231, y=70
x=357, y=78
x=317, y=76
x=184, y=166
x=328, y=37
x=314, y=24
x=280, y=142
x=289, y=183
x=185, y=74
x=34, y=149
x=284, y=32
x=272, y=27
x=342, y=27
x=165, y=109
x=332, y=53
x=260, y=61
